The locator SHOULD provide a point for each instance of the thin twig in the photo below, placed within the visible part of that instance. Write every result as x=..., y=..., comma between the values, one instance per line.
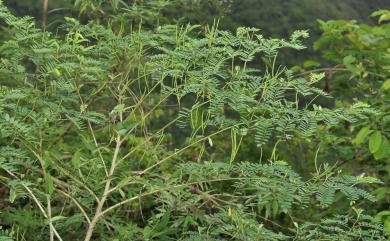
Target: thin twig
x=183, y=149
x=170, y=188
x=103, y=199
x=42, y=210
x=77, y=204
x=49, y=217
x=44, y=14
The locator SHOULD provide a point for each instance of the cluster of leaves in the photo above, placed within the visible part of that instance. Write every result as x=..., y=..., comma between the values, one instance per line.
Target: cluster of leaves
x=361, y=54
x=88, y=122
x=281, y=18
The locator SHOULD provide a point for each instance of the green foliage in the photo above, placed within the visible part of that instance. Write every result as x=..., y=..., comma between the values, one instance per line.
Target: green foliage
x=361, y=56
x=89, y=117
x=335, y=228
x=280, y=18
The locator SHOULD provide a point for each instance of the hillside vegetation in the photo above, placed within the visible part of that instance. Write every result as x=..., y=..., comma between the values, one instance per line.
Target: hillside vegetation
x=144, y=120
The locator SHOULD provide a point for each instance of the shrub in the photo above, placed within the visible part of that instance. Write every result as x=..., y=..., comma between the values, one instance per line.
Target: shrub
x=91, y=150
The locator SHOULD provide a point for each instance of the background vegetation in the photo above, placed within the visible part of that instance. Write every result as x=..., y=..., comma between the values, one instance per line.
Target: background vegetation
x=194, y=120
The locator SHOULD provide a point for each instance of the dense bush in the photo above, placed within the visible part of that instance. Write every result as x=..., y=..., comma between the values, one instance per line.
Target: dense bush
x=134, y=130
x=362, y=58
